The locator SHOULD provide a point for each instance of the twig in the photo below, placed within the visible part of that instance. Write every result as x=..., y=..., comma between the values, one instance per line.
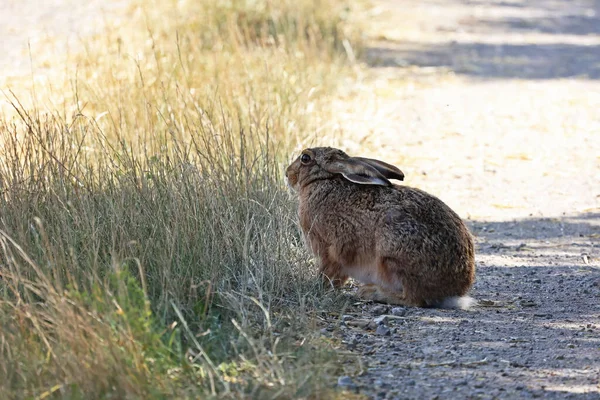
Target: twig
x=458, y=363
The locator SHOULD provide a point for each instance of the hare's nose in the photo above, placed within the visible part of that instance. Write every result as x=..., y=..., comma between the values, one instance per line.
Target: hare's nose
x=287, y=172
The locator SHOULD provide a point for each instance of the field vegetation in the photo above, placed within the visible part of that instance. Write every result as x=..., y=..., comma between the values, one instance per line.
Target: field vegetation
x=148, y=244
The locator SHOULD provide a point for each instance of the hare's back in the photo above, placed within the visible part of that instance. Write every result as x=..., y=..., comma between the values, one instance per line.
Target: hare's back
x=421, y=213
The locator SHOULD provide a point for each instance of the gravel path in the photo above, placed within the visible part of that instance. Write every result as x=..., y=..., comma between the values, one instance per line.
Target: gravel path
x=494, y=106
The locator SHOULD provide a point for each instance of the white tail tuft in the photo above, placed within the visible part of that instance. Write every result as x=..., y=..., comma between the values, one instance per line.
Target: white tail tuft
x=456, y=302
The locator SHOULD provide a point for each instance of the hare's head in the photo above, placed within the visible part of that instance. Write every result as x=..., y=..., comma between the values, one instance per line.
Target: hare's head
x=321, y=163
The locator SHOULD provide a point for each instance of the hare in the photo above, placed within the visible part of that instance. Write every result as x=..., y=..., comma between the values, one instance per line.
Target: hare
x=405, y=246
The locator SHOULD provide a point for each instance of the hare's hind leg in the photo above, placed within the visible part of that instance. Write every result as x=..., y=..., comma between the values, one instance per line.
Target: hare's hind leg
x=399, y=287
x=378, y=294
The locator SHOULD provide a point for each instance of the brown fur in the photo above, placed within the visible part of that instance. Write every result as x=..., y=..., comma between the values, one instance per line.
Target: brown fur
x=407, y=246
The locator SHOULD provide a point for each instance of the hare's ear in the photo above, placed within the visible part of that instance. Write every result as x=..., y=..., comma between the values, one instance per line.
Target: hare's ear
x=385, y=169
x=357, y=171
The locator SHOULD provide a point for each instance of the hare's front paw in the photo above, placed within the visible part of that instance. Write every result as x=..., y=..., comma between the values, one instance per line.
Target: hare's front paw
x=332, y=275
x=334, y=283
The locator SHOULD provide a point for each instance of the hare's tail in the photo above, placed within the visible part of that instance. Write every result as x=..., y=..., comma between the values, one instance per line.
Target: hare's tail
x=455, y=302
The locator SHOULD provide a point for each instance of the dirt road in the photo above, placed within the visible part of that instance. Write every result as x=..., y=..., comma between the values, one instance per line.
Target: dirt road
x=494, y=106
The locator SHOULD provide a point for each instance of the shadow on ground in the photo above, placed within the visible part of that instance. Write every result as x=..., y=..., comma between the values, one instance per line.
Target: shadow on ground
x=572, y=226
x=548, y=259
x=528, y=61
x=579, y=17
x=513, y=53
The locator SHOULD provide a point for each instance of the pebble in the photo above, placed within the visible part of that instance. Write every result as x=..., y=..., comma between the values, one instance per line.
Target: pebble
x=362, y=323
x=378, y=310
x=345, y=382
x=398, y=311
x=383, y=330
x=382, y=319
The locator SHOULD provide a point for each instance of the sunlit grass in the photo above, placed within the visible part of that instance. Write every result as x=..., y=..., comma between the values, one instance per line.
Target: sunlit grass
x=148, y=246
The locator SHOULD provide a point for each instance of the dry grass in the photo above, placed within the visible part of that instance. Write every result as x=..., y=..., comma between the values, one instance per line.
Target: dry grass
x=148, y=247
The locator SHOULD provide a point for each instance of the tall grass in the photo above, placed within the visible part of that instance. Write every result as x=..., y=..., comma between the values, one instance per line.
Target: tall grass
x=148, y=247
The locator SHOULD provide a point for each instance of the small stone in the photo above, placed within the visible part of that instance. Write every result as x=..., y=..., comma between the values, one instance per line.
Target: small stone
x=412, y=382
x=537, y=281
x=427, y=350
x=371, y=325
x=378, y=310
x=383, y=330
x=359, y=323
x=382, y=319
x=398, y=311
x=347, y=317
x=345, y=382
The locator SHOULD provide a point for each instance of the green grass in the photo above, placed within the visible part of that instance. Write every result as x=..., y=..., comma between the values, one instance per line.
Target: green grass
x=148, y=245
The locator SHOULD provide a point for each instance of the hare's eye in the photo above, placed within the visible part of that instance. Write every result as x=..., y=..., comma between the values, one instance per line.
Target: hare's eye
x=305, y=158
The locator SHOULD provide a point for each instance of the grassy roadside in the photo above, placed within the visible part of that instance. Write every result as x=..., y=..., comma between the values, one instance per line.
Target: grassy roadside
x=148, y=247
